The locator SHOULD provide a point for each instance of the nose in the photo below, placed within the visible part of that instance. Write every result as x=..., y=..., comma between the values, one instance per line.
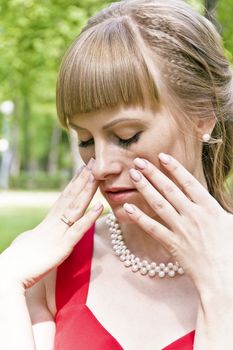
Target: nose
x=107, y=163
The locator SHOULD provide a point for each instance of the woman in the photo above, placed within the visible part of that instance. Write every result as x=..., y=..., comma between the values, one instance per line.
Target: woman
x=149, y=92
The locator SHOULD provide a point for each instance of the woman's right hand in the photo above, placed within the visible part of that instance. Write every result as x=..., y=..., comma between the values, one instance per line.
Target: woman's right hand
x=36, y=252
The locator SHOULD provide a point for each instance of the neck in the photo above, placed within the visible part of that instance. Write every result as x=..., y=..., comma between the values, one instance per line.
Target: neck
x=143, y=245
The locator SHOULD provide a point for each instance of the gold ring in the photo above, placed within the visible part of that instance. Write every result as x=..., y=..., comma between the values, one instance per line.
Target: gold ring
x=66, y=221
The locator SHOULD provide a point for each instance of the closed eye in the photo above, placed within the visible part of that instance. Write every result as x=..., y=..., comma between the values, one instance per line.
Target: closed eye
x=122, y=142
x=127, y=142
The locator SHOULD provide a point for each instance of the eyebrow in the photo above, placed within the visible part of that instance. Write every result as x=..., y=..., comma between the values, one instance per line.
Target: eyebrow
x=108, y=125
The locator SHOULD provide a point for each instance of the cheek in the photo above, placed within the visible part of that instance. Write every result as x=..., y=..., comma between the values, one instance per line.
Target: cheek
x=86, y=154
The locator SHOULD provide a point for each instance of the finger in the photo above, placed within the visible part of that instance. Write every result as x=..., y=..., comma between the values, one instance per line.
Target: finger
x=76, y=231
x=72, y=190
x=151, y=226
x=166, y=186
x=156, y=201
x=77, y=183
x=191, y=186
x=78, y=206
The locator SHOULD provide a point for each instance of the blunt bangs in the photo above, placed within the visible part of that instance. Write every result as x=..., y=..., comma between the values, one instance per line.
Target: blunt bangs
x=104, y=68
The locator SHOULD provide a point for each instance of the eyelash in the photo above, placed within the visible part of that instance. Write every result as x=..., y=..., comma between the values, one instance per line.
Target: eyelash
x=123, y=143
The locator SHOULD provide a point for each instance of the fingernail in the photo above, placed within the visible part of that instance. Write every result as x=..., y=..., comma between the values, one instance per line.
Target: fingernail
x=164, y=158
x=97, y=206
x=128, y=208
x=90, y=163
x=140, y=163
x=135, y=175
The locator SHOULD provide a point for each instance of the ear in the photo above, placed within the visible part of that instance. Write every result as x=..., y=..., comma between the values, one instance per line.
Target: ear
x=205, y=126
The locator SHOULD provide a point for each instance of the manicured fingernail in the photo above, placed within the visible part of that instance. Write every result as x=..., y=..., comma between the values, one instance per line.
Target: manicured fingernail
x=140, y=163
x=128, y=208
x=90, y=163
x=164, y=158
x=135, y=175
x=97, y=206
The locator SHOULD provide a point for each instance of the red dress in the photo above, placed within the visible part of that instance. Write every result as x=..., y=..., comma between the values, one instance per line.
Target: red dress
x=76, y=326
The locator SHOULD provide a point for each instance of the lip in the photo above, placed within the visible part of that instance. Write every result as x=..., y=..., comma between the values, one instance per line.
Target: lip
x=119, y=194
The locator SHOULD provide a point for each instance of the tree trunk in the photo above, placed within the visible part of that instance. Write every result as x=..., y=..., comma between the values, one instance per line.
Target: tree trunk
x=54, y=150
x=26, y=154
x=76, y=158
x=15, y=164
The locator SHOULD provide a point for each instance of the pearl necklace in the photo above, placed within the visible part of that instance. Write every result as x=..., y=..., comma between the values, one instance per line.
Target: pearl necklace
x=136, y=264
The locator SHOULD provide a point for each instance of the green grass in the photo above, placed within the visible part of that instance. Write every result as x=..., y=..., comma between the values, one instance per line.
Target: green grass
x=15, y=220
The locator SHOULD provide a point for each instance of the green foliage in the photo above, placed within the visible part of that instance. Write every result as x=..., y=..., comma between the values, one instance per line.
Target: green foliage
x=39, y=179
x=34, y=36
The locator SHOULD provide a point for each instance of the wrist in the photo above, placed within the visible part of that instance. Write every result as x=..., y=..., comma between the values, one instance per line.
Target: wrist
x=216, y=297
x=9, y=285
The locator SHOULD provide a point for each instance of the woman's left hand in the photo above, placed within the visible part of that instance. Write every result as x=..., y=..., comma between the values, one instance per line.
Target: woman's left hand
x=198, y=232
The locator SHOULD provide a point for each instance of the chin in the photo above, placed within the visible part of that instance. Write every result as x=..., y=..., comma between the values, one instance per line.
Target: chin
x=121, y=215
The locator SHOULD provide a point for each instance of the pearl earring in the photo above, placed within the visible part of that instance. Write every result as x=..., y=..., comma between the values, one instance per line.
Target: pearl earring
x=206, y=137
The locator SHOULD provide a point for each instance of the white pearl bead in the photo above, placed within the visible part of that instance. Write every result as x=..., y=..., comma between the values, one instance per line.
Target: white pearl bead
x=143, y=271
x=171, y=273
x=135, y=262
x=180, y=271
x=127, y=263
x=152, y=273
x=161, y=274
x=135, y=268
x=118, y=252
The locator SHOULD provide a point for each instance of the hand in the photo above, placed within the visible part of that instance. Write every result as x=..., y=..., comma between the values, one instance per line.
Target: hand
x=198, y=232
x=34, y=253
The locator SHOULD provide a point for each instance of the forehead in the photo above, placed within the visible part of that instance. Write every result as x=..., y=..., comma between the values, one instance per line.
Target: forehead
x=109, y=117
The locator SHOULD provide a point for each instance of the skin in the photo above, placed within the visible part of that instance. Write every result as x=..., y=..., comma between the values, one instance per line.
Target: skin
x=171, y=214
x=172, y=206
x=159, y=132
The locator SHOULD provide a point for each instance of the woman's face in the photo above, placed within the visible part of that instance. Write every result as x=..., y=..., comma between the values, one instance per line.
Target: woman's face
x=116, y=136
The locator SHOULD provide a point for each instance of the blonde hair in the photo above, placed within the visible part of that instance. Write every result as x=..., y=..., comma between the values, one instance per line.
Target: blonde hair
x=157, y=49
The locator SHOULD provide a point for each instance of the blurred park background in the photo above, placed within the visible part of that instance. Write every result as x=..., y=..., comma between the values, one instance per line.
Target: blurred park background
x=37, y=157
